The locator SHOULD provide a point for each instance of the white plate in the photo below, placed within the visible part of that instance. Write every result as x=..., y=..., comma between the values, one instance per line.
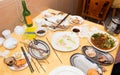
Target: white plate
x=66, y=70
x=22, y=67
x=72, y=18
x=80, y=61
x=116, y=41
x=65, y=41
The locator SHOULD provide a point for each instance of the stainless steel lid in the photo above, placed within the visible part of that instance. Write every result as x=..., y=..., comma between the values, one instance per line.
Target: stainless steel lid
x=116, y=20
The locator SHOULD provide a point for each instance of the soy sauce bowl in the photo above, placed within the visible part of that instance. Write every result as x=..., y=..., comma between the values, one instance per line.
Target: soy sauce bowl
x=75, y=29
x=41, y=31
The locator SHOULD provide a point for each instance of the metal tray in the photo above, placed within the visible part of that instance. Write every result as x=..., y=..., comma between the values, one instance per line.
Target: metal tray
x=39, y=49
x=80, y=61
x=101, y=58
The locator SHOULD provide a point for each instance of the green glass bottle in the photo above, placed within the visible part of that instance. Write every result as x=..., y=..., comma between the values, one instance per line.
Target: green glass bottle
x=30, y=29
x=27, y=15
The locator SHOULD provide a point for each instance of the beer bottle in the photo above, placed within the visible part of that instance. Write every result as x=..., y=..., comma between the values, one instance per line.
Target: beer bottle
x=27, y=15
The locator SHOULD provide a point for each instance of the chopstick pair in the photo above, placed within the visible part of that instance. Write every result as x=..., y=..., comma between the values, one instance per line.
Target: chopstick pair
x=35, y=63
x=59, y=22
x=54, y=51
x=62, y=20
x=27, y=60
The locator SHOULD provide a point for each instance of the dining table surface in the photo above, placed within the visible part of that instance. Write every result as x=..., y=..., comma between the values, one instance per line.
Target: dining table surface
x=52, y=61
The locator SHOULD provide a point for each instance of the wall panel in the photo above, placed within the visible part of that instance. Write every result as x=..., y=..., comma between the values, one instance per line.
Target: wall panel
x=11, y=10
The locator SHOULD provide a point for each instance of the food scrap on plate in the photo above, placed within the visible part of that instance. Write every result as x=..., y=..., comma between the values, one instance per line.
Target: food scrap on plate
x=16, y=61
x=65, y=41
x=97, y=56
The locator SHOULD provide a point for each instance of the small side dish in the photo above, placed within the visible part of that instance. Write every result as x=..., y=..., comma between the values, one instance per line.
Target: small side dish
x=41, y=31
x=76, y=20
x=76, y=29
x=16, y=61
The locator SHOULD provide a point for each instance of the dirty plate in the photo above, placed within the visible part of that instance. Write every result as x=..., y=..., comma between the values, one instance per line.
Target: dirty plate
x=65, y=41
x=97, y=56
x=76, y=19
x=19, y=56
x=38, y=49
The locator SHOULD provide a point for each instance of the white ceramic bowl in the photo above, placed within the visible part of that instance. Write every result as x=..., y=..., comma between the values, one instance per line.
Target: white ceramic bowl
x=41, y=31
x=19, y=30
x=1, y=40
x=6, y=33
x=10, y=43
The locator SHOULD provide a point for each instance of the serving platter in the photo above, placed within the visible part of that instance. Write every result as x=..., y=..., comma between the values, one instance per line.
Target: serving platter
x=109, y=38
x=80, y=61
x=66, y=70
x=65, y=41
x=97, y=56
x=38, y=49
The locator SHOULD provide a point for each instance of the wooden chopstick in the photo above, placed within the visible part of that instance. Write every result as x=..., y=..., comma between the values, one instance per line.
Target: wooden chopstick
x=35, y=65
x=41, y=65
x=33, y=61
x=27, y=59
x=63, y=19
x=54, y=51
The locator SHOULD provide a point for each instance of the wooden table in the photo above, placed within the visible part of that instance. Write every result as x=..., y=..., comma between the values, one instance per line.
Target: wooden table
x=52, y=61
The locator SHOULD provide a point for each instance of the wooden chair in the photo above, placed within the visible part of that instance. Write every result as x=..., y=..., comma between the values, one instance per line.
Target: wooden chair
x=96, y=9
x=115, y=6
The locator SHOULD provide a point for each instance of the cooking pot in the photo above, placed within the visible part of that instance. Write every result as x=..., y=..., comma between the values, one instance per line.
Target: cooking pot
x=114, y=26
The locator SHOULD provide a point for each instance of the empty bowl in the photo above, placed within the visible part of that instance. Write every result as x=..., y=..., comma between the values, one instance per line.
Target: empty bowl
x=10, y=43
x=1, y=40
x=19, y=30
x=6, y=33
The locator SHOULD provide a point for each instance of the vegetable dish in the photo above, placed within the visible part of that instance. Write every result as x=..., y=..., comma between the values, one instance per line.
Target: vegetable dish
x=102, y=41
